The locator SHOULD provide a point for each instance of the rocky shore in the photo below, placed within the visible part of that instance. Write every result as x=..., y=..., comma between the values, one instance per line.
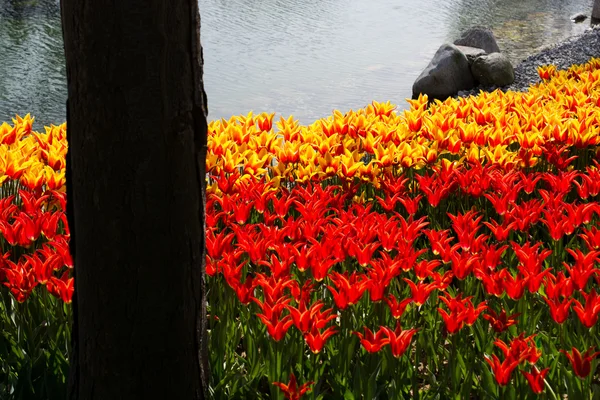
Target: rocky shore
x=576, y=50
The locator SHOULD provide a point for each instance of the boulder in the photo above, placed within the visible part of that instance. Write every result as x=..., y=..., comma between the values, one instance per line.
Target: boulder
x=493, y=69
x=479, y=37
x=447, y=73
x=471, y=52
x=577, y=18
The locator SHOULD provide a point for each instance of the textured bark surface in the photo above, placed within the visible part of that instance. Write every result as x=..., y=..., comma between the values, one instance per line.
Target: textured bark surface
x=135, y=177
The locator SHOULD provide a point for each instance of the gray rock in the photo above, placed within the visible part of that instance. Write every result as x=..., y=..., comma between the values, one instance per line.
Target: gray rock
x=580, y=17
x=447, y=73
x=471, y=52
x=479, y=37
x=493, y=69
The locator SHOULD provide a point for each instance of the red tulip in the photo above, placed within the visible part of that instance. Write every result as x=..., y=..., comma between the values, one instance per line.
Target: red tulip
x=411, y=229
x=303, y=294
x=364, y=253
x=529, y=180
x=476, y=173
x=466, y=226
x=349, y=288
x=62, y=288
x=10, y=232
x=301, y=256
x=31, y=204
x=588, y=315
x=43, y=270
x=435, y=188
x=463, y=263
x=584, y=267
x=582, y=363
x=500, y=201
x=500, y=231
x=7, y=208
x=501, y=322
x=590, y=182
x=399, y=339
x=373, y=342
x=50, y=223
x=555, y=224
x=231, y=268
x=397, y=308
x=558, y=285
x=279, y=269
x=472, y=313
x=276, y=327
x=380, y=275
x=291, y=391
x=19, y=280
x=316, y=339
x=502, y=370
x=226, y=183
x=514, y=286
x=530, y=258
x=578, y=214
x=281, y=201
x=553, y=201
x=319, y=319
x=557, y=156
x=411, y=204
x=273, y=287
x=424, y=268
x=249, y=242
x=242, y=210
x=559, y=310
x=395, y=184
x=560, y=182
x=536, y=379
x=245, y=291
x=388, y=235
x=525, y=214
x=389, y=203
x=319, y=267
x=454, y=320
x=420, y=291
x=440, y=242
x=521, y=348
x=442, y=281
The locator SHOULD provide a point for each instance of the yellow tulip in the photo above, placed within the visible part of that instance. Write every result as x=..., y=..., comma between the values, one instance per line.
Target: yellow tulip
x=350, y=164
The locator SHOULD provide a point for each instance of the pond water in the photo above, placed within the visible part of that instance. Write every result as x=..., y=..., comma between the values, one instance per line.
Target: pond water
x=300, y=57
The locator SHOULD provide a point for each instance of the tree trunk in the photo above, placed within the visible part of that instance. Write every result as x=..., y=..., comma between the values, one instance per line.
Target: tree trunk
x=596, y=10
x=135, y=179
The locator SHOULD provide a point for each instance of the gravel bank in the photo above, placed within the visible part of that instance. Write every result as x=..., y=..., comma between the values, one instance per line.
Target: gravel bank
x=576, y=50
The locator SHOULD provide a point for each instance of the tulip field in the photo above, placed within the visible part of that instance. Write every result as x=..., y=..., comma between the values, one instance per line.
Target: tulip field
x=447, y=251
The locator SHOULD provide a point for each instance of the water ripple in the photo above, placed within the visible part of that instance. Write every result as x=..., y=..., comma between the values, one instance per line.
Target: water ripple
x=301, y=57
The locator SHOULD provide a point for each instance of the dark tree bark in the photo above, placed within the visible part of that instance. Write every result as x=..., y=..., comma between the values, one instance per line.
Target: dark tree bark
x=135, y=178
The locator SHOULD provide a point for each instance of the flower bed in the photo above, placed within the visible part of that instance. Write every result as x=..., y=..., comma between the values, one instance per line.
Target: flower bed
x=35, y=266
x=447, y=251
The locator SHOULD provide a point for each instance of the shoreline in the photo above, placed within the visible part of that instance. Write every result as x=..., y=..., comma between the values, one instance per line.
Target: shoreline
x=574, y=50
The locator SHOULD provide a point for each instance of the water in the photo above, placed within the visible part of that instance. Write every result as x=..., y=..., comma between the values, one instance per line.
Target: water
x=300, y=57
